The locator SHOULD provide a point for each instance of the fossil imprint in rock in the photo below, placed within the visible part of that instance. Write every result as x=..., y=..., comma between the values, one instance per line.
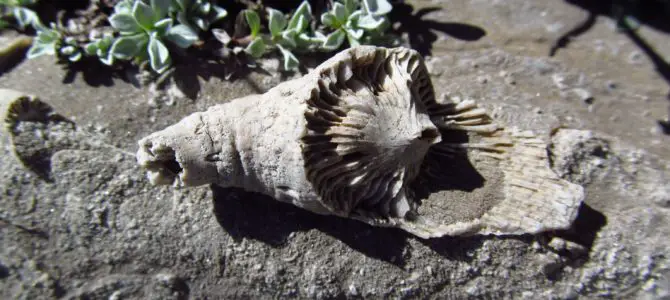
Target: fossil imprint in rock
x=363, y=137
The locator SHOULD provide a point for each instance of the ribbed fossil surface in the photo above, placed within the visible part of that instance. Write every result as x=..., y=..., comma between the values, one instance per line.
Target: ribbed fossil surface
x=363, y=137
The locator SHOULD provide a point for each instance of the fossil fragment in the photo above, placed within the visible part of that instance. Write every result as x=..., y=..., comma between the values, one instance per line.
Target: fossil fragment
x=363, y=137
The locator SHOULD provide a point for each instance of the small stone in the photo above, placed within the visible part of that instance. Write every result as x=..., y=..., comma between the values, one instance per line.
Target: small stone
x=352, y=290
x=551, y=264
x=557, y=244
x=611, y=85
x=559, y=81
x=583, y=95
x=635, y=57
x=661, y=198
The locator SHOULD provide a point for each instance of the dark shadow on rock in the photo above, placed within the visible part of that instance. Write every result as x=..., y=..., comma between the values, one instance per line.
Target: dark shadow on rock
x=15, y=56
x=34, y=150
x=210, y=60
x=4, y=271
x=421, y=32
x=578, y=30
x=250, y=215
x=584, y=229
x=94, y=73
x=34, y=232
x=653, y=13
x=455, y=248
x=447, y=171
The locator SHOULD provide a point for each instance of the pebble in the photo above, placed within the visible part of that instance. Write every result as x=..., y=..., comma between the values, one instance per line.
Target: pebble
x=583, y=95
x=559, y=81
x=353, y=291
x=635, y=57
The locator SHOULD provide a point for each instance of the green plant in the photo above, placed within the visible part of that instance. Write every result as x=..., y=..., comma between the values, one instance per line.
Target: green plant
x=19, y=11
x=198, y=15
x=100, y=48
x=144, y=29
x=46, y=43
x=50, y=41
x=359, y=21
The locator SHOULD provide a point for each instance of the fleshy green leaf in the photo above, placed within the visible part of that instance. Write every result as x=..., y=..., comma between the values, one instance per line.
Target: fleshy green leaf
x=160, y=8
x=162, y=26
x=143, y=14
x=355, y=33
x=108, y=60
x=159, y=56
x=304, y=11
x=91, y=48
x=256, y=48
x=124, y=7
x=290, y=61
x=124, y=23
x=25, y=17
x=353, y=42
x=38, y=49
x=334, y=40
x=277, y=22
x=201, y=23
x=105, y=43
x=340, y=13
x=205, y=7
x=220, y=13
x=125, y=47
x=75, y=57
x=288, y=38
x=377, y=7
x=48, y=36
x=300, y=24
x=254, y=22
x=183, y=4
x=329, y=19
x=68, y=50
x=370, y=22
x=182, y=36
x=353, y=18
x=350, y=6
x=222, y=36
x=317, y=39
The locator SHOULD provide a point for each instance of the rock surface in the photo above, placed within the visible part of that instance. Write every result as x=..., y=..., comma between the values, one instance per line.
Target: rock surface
x=95, y=229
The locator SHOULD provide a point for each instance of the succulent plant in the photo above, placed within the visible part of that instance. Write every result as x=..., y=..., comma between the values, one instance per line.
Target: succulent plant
x=256, y=47
x=45, y=43
x=360, y=22
x=198, y=15
x=50, y=41
x=23, y=15
x=70, y=49
x=292, y=34
x=353, y=19
x=144, y=29
x=100, y=48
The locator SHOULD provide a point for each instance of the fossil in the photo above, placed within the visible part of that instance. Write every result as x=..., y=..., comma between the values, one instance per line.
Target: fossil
x=362, y=136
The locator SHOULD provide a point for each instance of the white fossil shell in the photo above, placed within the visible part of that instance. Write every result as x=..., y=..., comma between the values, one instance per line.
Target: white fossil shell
x=363, y=137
